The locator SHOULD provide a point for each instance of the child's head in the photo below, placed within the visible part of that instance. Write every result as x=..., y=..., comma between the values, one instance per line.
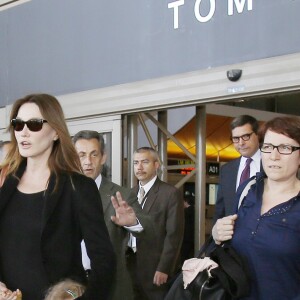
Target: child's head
x=65, y=290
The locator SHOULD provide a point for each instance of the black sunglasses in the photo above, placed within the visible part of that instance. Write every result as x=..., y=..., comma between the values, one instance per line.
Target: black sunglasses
x=32, y=124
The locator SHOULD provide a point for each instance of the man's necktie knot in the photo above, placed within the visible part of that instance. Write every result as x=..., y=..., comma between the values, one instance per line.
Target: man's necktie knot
x=141, y=195
x=246, y=172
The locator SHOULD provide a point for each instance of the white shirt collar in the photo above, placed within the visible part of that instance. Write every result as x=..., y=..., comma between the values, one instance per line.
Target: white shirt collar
x=98, y=181
x=256, y=160
x=148, y=185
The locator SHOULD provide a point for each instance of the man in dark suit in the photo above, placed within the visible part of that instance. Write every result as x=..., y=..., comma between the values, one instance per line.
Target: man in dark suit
x=91, y=150
x=156, y=255
x=244, y=136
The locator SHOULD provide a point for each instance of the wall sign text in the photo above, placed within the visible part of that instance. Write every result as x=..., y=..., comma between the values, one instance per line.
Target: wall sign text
x=233, y=5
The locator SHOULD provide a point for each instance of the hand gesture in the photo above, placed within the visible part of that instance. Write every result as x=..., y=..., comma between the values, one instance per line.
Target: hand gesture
x=125, y=215
x=223, y=229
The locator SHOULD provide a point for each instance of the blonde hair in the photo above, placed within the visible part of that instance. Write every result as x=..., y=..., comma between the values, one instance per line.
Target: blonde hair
x=63, y=157
x=66, y=289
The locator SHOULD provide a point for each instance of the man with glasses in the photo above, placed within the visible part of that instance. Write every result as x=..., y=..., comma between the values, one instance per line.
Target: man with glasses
x=244, y=130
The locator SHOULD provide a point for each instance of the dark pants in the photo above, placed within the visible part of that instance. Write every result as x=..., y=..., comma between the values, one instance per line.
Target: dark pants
x=139, y=294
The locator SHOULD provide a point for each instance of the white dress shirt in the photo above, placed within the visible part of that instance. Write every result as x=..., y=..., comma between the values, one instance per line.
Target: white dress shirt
x=85, y=258
x=146, y=187
x=135, y=228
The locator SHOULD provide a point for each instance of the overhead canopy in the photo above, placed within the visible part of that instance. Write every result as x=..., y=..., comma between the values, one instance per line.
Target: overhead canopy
x=218, y=144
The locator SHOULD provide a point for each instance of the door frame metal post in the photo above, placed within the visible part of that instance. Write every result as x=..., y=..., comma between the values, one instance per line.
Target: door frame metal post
x=162, y=117
x=200, y=183
x=131, y=147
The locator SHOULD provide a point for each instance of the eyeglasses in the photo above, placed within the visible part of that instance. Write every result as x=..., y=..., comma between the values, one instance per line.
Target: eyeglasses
x=282, y=149
x=244, y=137
x=32, y=124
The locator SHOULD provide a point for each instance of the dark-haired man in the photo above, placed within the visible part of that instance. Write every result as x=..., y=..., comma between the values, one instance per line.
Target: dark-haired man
x=156, y=258
x=244, y=130
x=90, y=147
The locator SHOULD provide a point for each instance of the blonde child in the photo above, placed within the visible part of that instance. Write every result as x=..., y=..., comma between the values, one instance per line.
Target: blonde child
x=65, y=290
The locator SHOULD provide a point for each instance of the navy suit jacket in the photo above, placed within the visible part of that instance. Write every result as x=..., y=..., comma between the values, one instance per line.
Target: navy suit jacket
x=226, y=197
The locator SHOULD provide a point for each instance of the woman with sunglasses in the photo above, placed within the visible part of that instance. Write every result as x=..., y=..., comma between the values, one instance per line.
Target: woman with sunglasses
x=47, y=207
x=266, y=229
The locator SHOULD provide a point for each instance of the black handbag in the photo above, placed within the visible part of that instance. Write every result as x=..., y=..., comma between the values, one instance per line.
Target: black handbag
x=228, y=281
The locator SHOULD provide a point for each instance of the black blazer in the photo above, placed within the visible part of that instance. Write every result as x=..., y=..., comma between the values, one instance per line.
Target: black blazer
x=72, y=212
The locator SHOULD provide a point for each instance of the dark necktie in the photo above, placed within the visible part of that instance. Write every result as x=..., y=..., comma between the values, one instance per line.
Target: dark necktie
x=246, y=172
x=141, y=195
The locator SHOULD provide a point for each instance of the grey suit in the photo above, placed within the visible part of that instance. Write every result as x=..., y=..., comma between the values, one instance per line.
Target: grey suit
x=122, y=287
x=159, y=250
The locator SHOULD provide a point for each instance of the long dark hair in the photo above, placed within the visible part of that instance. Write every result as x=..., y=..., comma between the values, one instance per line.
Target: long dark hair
x=63, y=157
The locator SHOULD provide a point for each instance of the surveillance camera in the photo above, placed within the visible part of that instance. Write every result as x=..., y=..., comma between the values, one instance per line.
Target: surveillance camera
x=234, y=75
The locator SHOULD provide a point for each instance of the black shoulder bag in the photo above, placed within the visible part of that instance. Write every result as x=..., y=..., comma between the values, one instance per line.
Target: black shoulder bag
x=228, y=281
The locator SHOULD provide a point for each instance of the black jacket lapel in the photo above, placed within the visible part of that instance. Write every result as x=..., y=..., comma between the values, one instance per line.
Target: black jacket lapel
x=52, y=197
x=10, y=184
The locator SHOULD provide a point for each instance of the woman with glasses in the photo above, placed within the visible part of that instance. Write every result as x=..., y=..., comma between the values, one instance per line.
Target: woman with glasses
x=266, y=229
x=47, y=207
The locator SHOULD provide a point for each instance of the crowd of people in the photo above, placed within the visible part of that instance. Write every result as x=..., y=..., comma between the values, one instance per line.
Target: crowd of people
x=68, y=232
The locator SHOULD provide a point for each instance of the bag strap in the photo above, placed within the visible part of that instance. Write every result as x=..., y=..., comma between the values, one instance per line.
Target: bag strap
x=209, y=243
x=233, y=272
x=231, y=263
x=246, y=190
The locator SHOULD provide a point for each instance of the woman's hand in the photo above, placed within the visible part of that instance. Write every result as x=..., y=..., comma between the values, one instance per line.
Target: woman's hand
x=3, y=290
x=223, y=229
x=6, y=294
x=3, y=287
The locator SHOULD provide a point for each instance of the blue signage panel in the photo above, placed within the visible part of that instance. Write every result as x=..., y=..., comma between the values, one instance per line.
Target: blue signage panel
x=68, y=46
